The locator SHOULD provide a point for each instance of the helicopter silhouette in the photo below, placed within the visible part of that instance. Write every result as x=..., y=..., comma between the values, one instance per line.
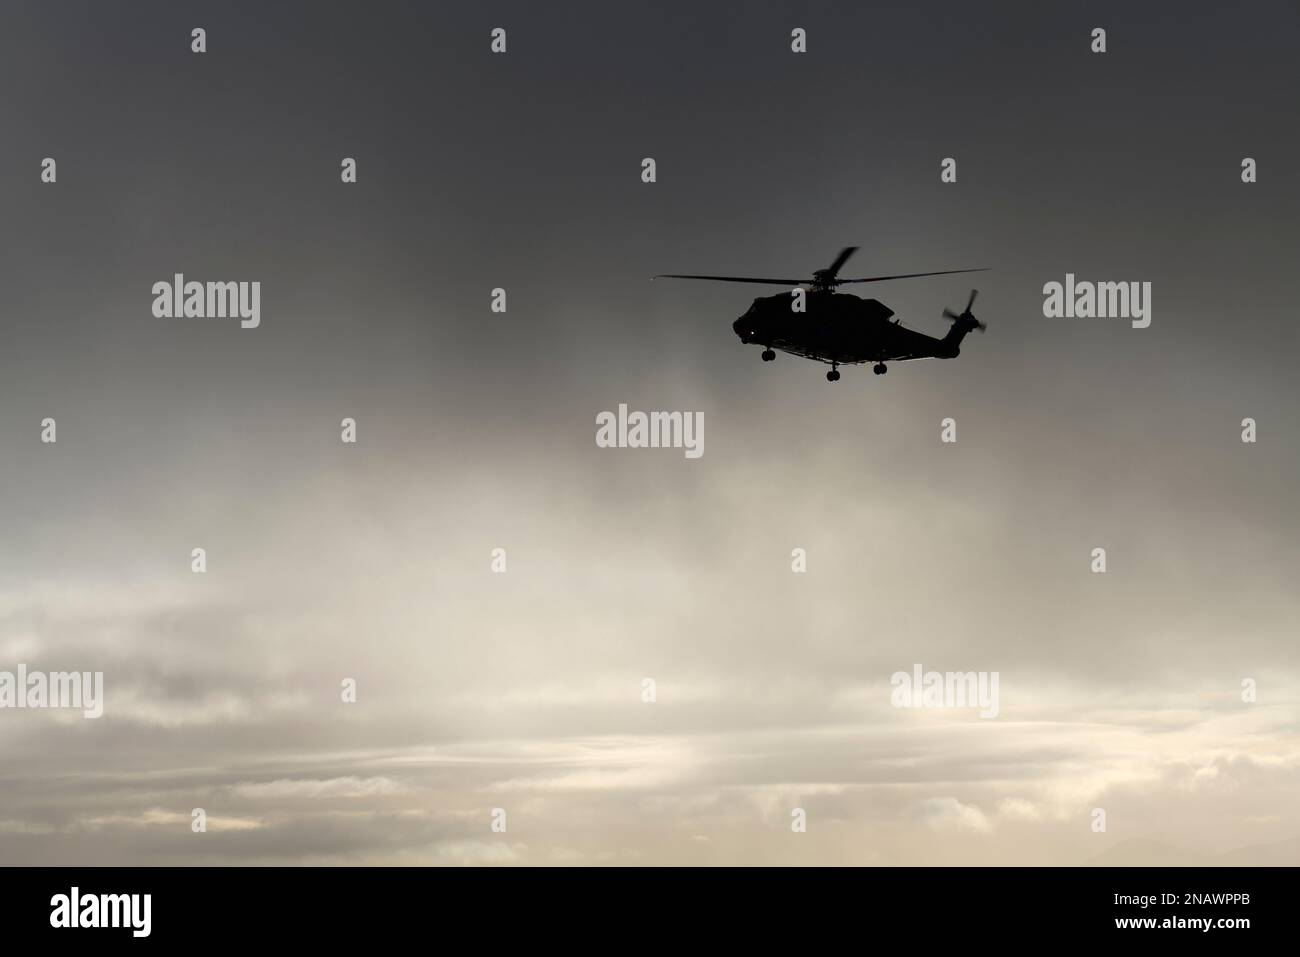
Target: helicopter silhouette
x=839, y=328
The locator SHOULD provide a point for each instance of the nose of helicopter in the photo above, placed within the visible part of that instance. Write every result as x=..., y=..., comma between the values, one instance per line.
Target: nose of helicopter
x=744, y=327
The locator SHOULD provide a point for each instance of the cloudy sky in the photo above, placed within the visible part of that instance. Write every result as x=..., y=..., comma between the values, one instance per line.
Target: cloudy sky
x=523, y=690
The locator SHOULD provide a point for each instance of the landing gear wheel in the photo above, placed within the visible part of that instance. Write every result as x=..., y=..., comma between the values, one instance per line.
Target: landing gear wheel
x=879, y=368
x=768, y=355
x=833, y=376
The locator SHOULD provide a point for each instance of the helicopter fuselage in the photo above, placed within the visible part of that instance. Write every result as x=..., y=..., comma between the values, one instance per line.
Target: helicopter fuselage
x=840, y=329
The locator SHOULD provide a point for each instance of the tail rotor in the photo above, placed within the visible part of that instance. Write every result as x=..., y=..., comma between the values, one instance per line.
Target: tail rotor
x=965, y=316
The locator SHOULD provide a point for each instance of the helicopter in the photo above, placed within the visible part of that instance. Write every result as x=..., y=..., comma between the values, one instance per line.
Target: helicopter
x=816, y=322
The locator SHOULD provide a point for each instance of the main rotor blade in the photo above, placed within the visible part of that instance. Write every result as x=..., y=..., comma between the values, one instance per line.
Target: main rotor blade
x=908, y=275
x=840, y=260
x=770, y=282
